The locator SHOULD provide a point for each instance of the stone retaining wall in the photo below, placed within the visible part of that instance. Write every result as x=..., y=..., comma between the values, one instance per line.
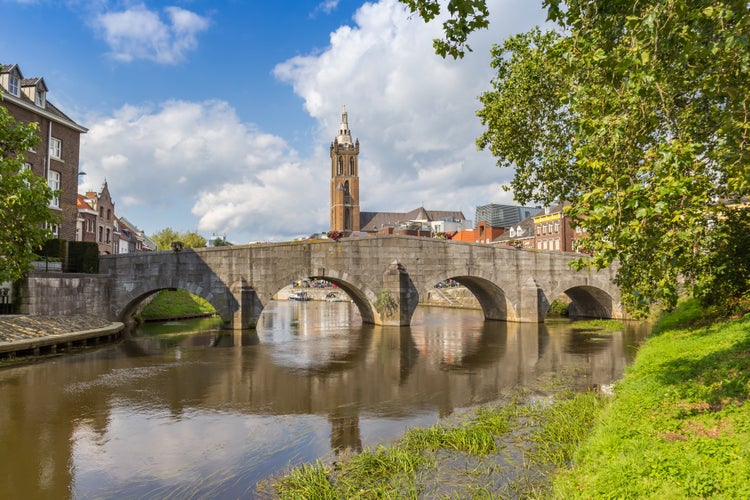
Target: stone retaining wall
x=61, y=294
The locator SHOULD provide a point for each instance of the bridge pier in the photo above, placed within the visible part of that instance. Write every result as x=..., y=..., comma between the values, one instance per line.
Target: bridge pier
x=398, y=298
x=247, y=307
x=533, y=304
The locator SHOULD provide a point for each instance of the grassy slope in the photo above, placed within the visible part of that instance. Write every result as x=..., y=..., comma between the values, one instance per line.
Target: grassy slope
x=679, y=426
x=176, y=304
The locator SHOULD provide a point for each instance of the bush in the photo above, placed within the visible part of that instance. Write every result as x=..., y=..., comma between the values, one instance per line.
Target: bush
x=83, y=257
x=54, y=248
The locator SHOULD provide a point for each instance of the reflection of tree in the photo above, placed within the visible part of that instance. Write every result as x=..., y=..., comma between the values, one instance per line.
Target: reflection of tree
x=587, y=342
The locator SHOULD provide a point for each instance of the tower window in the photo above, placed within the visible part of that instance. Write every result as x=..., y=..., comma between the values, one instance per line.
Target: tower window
x=351, y=166
x=340, y=170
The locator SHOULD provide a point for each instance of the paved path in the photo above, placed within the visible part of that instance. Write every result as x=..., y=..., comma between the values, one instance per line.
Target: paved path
x=18, y=327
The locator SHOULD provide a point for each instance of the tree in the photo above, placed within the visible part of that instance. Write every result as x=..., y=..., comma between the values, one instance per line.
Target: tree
x=191, y=239
x=24, y=199
x=166, y=236
x=637, y=113
x=466, y=16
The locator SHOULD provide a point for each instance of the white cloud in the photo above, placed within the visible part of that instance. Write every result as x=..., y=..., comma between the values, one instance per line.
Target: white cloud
x=140, y=33
x=196, y=165
x=326, y=6
x=182, y=157
x=414, y=112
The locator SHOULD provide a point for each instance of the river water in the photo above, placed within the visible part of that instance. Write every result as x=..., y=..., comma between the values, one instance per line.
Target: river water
x=183, y=409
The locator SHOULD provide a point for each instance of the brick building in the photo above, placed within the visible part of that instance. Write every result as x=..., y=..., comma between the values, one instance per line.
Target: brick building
x=56, y=156
x=554, y=231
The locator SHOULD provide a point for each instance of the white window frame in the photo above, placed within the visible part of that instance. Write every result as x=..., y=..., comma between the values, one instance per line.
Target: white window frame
x=14, y=85
x=55, y=148
x=39, y=98
x=55, y=229
x=53, y=181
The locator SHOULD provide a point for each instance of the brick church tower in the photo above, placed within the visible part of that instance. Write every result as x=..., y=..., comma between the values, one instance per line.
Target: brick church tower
x=344, y=179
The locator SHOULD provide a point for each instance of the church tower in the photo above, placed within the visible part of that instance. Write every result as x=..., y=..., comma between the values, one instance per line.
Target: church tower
x=344, y=179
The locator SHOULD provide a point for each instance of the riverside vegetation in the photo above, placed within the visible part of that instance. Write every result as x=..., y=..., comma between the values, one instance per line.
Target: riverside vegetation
x=175, y=304
x=678, y=426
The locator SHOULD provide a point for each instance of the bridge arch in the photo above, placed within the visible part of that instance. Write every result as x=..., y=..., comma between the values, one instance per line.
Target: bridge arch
x=128, y=311
x=359, y=292
x=587, y=301
x=495, y=303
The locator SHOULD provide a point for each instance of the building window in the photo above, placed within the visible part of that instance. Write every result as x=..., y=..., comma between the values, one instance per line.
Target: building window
x=26, y=166
x=351, y=166
x=13, y=85
x=108, y=240
x=557, y=227
x=557, y=244
x=53, y=181
x=89, y=226
x=55, y=148
x=340, y=169
x=109, y=214
x=101, y=233
x=39, y=98
x=55, y=229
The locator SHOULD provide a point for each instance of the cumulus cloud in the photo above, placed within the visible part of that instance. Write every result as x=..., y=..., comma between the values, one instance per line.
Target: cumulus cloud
x=183, y=157
x=414, y=112
x=140, y=33
x=197, y=165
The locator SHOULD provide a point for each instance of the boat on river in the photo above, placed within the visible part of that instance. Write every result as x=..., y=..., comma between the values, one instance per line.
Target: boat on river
x=302, y=296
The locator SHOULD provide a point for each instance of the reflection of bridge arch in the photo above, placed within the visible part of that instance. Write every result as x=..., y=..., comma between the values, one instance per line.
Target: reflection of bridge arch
x=384, y=276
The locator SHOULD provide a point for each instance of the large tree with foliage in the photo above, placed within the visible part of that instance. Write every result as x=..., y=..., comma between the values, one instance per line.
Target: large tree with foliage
x=638, y=114
x=165, y=238
x=24, y=200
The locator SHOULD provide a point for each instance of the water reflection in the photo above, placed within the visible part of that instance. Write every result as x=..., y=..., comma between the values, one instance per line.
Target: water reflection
x=186, y=409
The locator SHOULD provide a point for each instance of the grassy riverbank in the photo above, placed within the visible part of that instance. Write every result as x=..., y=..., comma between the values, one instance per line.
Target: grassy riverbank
x=174, y=304
x=677, y=427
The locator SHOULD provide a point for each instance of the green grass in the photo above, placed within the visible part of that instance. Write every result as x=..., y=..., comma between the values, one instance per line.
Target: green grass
x=679, y=426
x=170, y=304
x=610, y=325
x=407, y=468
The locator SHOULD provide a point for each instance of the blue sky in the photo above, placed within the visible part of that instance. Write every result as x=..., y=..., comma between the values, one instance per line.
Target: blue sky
x=217, y=116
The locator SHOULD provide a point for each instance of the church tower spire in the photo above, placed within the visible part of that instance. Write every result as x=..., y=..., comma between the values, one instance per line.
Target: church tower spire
x=344, y=179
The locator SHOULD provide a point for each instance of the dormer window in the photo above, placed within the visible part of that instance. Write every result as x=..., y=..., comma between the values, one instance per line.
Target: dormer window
x=14, y=84
x=39, y=98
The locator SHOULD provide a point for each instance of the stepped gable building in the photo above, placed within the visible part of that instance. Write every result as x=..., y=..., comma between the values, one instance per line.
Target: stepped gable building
x=346, y=216
x=56, y=156
x=98, y=223
x=98, y=210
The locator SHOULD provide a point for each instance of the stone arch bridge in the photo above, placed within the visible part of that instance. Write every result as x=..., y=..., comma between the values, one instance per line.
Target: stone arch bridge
x=384, y=276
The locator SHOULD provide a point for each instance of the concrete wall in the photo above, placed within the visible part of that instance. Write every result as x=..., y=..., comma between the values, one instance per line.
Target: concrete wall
x=53, y=294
